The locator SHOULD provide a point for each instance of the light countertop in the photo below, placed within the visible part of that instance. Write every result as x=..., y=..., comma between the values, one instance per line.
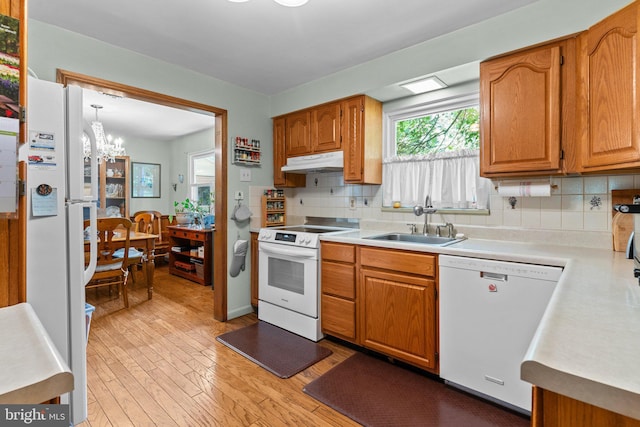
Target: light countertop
x=587, y=345
x=31, y=369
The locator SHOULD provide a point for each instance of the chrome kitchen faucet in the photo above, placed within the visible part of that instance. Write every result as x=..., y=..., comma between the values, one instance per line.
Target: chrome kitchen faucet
x=426, y=210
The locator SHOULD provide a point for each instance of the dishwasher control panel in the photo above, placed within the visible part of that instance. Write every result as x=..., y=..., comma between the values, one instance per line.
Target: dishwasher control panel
x=487, y=267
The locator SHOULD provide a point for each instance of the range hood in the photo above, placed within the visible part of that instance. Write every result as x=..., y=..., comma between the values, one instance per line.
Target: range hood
x=326, y=162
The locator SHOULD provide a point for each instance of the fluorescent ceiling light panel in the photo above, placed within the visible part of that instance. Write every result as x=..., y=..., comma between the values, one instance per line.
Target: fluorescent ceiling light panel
x=424, y=85
x=288, y=3
x=291, y=3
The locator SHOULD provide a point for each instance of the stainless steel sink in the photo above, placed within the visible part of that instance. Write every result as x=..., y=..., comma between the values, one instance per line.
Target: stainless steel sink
x=416, y=238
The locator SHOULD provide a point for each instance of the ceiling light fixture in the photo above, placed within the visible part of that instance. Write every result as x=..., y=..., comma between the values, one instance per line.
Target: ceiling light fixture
x=288, y=3
x=428, y=84
x=291, y=3
x=107, y=147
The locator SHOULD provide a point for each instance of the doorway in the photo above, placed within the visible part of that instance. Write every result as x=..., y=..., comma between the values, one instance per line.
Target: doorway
x=220, y=149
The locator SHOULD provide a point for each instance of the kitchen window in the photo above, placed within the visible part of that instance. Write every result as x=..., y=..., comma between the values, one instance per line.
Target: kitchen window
x=433, y=149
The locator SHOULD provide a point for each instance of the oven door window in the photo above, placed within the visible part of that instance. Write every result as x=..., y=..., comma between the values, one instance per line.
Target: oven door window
x=286, y=275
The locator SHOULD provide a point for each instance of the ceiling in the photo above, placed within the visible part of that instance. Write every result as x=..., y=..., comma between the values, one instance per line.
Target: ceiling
x=130, y=118
x=261, y=45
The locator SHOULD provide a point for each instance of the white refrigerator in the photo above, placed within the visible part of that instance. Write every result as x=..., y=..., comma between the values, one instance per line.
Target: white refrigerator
x=59, y=198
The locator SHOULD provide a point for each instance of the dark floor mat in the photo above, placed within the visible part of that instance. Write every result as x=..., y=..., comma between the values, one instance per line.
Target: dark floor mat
x=278, y=351
x=377, y=393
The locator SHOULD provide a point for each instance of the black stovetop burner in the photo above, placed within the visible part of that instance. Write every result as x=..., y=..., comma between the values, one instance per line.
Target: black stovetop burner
x=310, y=229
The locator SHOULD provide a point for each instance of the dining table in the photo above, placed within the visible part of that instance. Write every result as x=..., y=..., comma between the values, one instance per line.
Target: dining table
x=147, y=243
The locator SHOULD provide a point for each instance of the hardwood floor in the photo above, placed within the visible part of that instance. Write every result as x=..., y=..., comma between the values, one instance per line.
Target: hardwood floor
x=158, y=363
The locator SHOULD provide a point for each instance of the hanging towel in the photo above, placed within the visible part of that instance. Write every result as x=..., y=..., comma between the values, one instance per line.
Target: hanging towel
x=239, y=253
x=241, y=213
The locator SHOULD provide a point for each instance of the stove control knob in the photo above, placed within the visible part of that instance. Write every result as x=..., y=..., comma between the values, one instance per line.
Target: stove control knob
x=307, y=240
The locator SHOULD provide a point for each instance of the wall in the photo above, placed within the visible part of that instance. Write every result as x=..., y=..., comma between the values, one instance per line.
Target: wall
x=248, y=112
x=151, y=151
x=567, y=215
x=535, y=23
x=180, y=150
x=578, y=212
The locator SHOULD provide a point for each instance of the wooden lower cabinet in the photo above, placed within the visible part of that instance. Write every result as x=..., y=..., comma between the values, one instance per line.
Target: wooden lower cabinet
x=398, y=316
x=338, y=282
x=555, y=410
x=381, y=299
x=398, y=310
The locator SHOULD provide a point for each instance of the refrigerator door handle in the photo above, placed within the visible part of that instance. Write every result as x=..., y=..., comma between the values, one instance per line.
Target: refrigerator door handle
x=94, y=163
x=76, y=129
x=93, y=242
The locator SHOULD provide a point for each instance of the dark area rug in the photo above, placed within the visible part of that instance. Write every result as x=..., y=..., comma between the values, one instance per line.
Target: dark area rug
x=276, y=350
x=377, y=393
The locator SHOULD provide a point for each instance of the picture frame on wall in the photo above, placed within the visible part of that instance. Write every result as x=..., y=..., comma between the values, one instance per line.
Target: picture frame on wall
x=145, y=180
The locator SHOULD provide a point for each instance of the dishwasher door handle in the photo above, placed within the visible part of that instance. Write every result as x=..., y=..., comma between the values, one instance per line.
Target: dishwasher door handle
x=494, y=276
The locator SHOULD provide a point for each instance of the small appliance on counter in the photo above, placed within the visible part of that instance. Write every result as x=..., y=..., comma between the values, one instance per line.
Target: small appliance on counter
x=633, y=249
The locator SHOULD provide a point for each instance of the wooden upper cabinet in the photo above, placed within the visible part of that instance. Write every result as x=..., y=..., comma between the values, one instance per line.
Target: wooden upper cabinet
x=325, y=128
x=298, y=134
x=353, y=125
x=527, y=110
x=282, y=179
x=609, y=129
x=362, y=140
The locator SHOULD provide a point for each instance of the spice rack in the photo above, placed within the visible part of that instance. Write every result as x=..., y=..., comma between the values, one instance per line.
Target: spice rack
x=246, y=151
x=273, y=208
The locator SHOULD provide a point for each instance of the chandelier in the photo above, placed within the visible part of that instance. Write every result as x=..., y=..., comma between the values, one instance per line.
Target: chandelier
x=107, y=147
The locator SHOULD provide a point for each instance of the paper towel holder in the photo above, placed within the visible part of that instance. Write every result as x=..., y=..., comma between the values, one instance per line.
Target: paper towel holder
x=553, y=187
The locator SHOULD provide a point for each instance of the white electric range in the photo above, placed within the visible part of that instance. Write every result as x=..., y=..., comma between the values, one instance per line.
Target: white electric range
x=289, y=276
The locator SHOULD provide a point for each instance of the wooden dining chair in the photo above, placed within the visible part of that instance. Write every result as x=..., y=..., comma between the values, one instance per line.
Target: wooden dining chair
x=162, y=241
x=144, y=223
x=112, y=270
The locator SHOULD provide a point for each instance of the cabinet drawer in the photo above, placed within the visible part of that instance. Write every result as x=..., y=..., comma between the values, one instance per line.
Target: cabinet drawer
x=339, y=279
x=187, y=234
x=338, y=252
x=405, y=261
x=338, y=317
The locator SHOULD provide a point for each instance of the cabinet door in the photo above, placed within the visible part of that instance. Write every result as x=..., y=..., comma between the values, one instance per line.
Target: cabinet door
x=325, y=128
x=298, y=134
x=362, y=140
x=520, y=98
x=281, y=179
x=352, y=139
x=339, y=317
x=338, y=283
x=609, y=93
x=398, y=316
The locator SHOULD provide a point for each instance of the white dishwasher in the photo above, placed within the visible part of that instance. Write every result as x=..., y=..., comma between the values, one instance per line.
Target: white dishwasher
x=489, y=312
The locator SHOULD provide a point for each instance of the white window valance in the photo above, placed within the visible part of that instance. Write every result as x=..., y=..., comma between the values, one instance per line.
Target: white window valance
x=451, y=179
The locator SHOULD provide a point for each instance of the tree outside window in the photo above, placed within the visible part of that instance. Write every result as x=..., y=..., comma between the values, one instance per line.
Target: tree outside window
x=435, y=133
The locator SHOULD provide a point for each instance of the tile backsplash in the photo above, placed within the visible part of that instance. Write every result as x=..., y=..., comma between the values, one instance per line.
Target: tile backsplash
x=579, y=209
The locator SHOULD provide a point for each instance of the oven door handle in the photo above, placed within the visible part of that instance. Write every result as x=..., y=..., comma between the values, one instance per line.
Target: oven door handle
x=294, y=253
